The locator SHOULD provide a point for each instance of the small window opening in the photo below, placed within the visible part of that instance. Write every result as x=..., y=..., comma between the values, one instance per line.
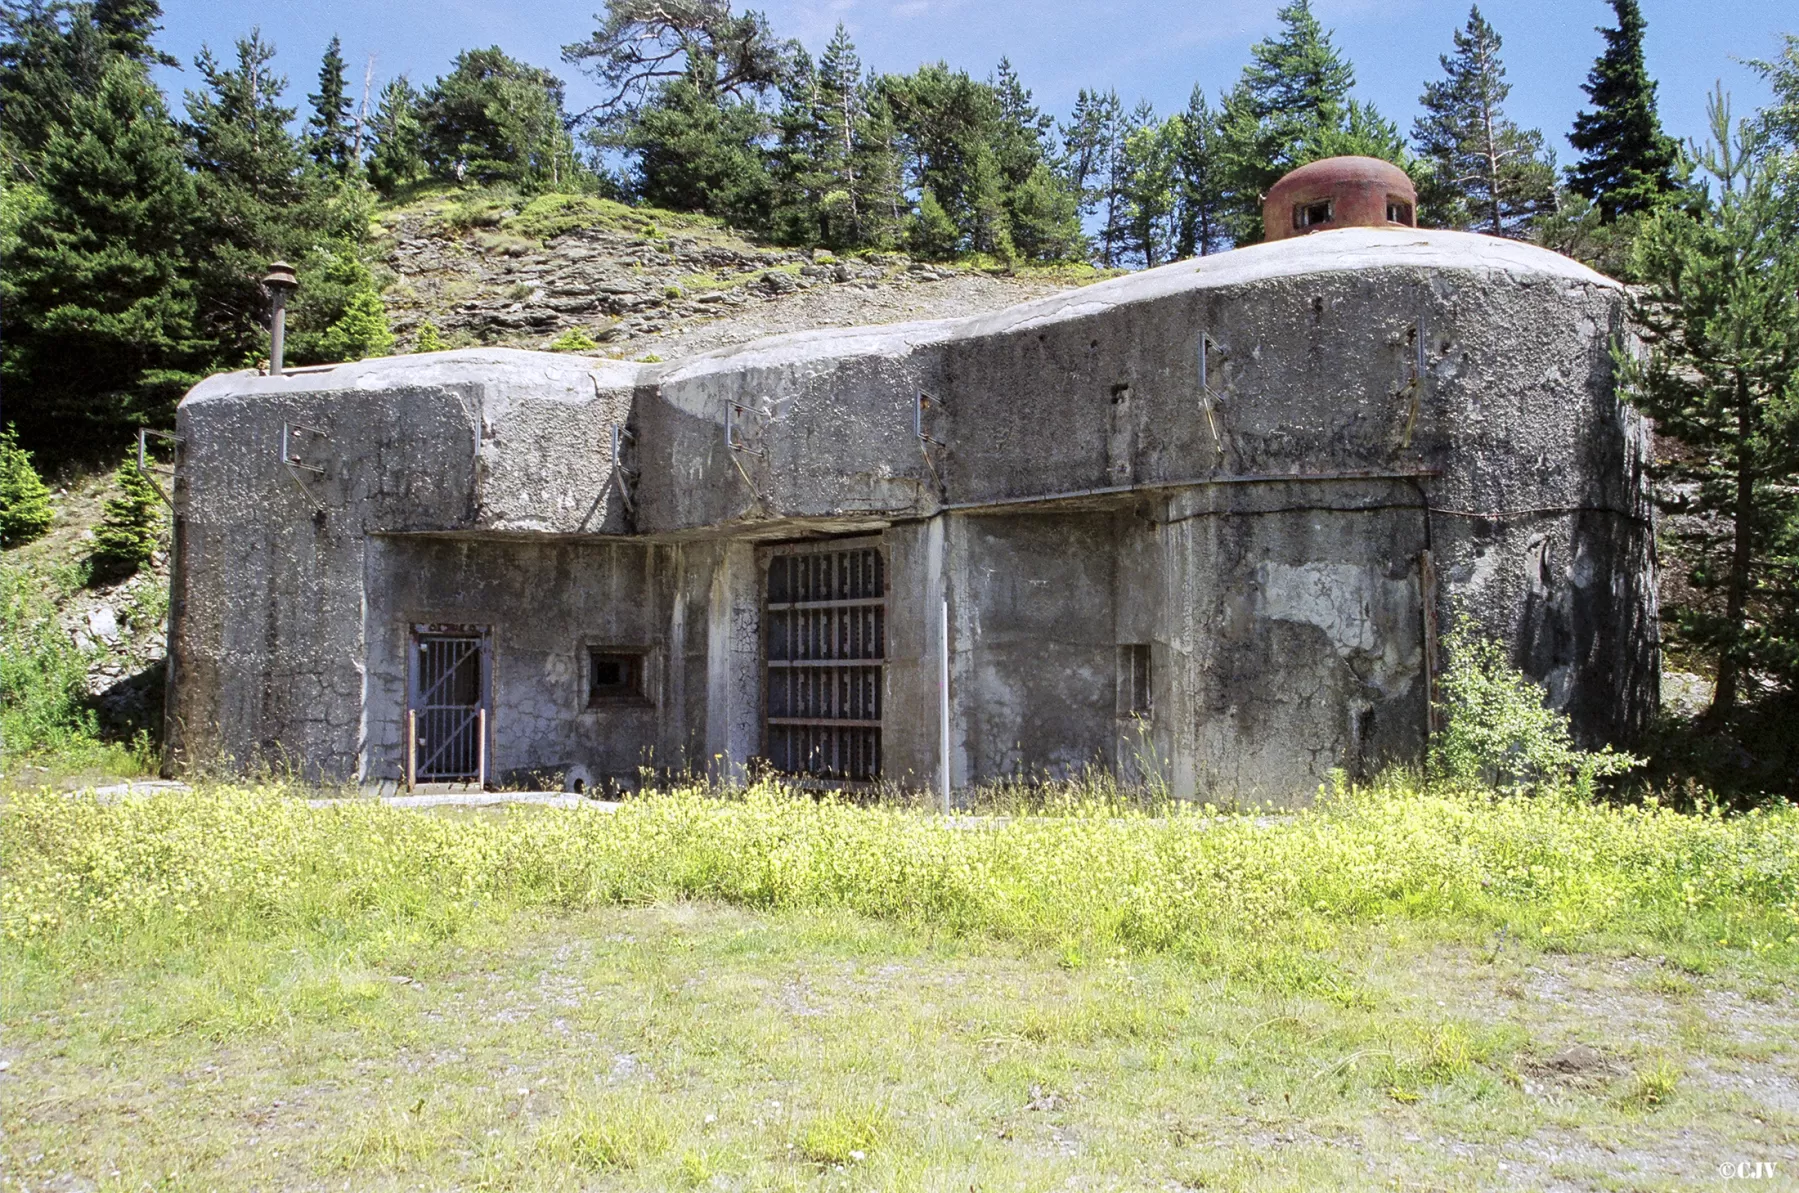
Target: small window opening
x=1399, y=212
x=1133, y=680
x=1310, y=215
x=614, y=676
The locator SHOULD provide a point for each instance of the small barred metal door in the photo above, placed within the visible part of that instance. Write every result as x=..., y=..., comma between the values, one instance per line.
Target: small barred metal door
x=826, y=639
x=448, y=707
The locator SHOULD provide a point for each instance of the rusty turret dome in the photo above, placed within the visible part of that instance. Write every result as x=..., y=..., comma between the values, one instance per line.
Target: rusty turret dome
x=1340, y=192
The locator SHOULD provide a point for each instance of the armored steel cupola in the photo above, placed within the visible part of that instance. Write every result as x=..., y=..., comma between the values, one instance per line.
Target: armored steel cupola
x=1340, y=192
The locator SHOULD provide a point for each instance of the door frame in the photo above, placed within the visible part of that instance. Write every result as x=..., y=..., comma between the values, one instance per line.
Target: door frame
x=417, y=633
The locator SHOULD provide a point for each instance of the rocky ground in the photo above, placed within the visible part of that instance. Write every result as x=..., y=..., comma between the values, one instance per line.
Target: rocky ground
x=666, y=286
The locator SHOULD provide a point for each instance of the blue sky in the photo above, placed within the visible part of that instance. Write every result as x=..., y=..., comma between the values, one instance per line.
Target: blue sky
x=1156, y=51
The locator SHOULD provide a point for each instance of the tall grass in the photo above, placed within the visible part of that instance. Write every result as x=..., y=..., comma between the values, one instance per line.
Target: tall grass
x=91, y=877
x=45, y=713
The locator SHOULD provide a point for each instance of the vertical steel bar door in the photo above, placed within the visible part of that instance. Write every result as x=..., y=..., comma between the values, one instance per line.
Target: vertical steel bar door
x=449, y=698
x=826, y=642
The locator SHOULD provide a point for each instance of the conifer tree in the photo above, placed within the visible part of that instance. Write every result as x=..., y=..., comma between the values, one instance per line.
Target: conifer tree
x=130, y=525
x=256, y=200
x=50, y=53
x=1719, y=317
x=1041, y=215
x=128, y=26
x=802, y=164
x=96, y=313
x=1199, y=221
x=25, y=511
x=696, y=153
x=1291, y=106
x=397, y=155
x=1778, y=123
x=1626, y=162
x=494, y=118
x=1082, y=138
x=841, y=116
x=429, y=339
x=880, y=174
x=1485, y=171
x=328, y=128
x=1147, y=186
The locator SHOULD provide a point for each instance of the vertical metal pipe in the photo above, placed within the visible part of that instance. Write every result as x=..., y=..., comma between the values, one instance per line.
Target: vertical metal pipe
x=481, y=750
x=943, y=699
x=412, y=748
x=278, y=331
x=279, y=281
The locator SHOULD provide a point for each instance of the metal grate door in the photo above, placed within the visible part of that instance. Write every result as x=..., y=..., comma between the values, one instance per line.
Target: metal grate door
x=826, y=637
x=449, y=708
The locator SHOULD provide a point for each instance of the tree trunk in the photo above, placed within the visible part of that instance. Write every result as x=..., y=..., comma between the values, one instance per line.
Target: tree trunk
x=1736, y=592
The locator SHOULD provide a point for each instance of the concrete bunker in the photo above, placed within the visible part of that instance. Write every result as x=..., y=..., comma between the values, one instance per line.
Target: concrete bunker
x=1203, y=520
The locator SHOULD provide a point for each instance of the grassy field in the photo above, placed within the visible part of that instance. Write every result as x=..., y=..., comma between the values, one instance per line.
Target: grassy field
x=1397, y=989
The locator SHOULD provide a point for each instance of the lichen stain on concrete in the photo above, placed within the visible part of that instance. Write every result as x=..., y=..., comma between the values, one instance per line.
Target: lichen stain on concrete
x=1363, y=616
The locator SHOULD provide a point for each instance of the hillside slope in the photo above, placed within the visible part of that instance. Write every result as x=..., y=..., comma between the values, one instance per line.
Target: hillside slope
x=493, y=269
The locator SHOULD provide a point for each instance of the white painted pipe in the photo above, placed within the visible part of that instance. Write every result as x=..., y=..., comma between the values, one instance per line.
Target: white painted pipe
x=943, y=701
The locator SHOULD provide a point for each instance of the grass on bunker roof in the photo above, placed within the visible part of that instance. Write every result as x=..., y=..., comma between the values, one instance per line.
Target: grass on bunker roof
x=395, y=1000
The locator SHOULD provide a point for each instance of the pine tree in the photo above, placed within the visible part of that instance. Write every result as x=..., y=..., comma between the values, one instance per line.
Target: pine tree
x=128, y=26
x=1089, y=153
x=1147, y=188
x=1045, y=222
x=397, y=157
x=25, y=510
x=496, y=119
x=696, y=154
x=1485, y=171
x=1199, y=220
x=880, y=174
x=1291, y=106
x=257, y=201
x=950, y=125
x=360, y=332
x=1041, y=210
x=96, y=313
x=429, y=339
x=841, y=116
x=1626, y=162
x=130, y=526
x=1778, y=123
x=932, y=234
x=800, y=165
x=1719, y=316
x=1082, y=141
x=328, y=128
x=337, y=313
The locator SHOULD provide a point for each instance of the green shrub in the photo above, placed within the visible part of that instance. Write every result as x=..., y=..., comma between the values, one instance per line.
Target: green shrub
x=429, y=339
x=575, y=339
x=25, y=511
x=130, y=525
x=1499, y=732
x=361, y=331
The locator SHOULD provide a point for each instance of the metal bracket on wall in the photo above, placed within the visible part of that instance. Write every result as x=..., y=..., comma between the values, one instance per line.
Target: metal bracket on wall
x=926, y=402
x=290, y=457
x=734, y=435
x=621, y=475
x=1206, y=398
x=1414, y=386
x=143, y=461
x=926, y=441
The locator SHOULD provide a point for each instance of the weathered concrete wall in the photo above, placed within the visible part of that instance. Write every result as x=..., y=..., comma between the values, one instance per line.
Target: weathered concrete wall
x=1368, y=396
